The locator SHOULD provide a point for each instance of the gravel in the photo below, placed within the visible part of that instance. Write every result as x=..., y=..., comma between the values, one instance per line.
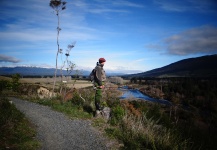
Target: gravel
x=56, y=131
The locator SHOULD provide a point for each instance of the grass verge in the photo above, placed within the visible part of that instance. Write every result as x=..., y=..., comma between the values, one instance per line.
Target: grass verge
x=16, y=131
x=67, y=108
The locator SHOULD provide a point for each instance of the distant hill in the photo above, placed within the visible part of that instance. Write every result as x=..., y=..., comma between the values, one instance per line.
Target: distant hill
x=36, y=71
x=205, y=66
x=33, y=71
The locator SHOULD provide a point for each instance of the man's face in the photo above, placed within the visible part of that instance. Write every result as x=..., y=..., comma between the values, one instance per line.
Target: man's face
x=103, y=63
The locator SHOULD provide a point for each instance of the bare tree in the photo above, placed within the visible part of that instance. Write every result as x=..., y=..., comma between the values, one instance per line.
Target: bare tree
x=67, y=64
x=57, y=6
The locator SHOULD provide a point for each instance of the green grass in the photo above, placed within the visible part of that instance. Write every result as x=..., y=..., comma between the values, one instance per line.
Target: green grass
x=16, y=131
x=71, y=110
x=68, y=108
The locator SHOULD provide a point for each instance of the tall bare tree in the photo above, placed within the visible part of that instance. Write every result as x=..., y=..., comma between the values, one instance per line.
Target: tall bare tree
x=57, y=6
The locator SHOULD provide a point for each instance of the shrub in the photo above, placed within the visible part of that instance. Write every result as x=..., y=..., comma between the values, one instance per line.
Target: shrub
x=4, y=84
x=88, y=96
x=111, y=96
x=76, y=100
x=117, y=115
x=130, y=108
x=88, y=108
x=15, y=82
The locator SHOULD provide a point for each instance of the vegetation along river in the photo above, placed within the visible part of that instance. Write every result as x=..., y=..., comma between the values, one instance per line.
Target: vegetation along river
x=136, y=94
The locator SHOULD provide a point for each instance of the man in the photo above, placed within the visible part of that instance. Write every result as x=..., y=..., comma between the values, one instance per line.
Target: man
x=99, y=82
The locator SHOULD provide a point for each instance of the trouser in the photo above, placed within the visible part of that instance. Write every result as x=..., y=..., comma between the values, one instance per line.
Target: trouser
x=98, y=99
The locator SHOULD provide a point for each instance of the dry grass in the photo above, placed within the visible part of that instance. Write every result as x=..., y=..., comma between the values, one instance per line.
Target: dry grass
x=4, y=78
x=35, y=80
x=79, y=84
x=48, y=82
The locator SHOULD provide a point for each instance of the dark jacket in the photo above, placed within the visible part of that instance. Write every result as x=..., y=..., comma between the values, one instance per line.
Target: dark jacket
x=100, y=76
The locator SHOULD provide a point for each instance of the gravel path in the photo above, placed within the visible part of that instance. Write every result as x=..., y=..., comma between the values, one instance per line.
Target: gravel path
x=57, y=132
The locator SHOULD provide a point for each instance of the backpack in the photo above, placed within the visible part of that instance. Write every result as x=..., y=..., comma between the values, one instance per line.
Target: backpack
x=92, y=75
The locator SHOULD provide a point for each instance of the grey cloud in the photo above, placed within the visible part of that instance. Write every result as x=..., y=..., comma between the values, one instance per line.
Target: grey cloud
x=194, y=41
x=4, y=58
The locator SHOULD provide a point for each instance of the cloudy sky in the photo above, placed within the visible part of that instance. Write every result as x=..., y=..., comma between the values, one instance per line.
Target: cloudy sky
x=132, y=35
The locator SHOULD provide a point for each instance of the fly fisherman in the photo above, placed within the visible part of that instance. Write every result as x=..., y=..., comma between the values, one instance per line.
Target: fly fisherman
x=99, y=83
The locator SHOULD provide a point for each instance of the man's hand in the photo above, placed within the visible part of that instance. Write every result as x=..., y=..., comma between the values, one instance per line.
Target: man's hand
x=101, y=87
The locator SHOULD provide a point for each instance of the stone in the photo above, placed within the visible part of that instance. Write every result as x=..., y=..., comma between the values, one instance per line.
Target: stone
x=106, y=113
x=43, y=93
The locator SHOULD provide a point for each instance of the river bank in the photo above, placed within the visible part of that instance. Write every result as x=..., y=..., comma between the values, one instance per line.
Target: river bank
x=133, y=93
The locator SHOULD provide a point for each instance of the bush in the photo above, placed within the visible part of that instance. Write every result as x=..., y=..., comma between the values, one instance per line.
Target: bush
x=76, y=100
x=116, y=115
x=15, y=82
x=88, y=107
x=4, y=84
x=84, y=98
x=153, y=111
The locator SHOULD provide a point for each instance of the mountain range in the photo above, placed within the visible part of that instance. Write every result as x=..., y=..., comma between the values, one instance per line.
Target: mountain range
x=34, y=71
x=37, y=71
x=204, y=66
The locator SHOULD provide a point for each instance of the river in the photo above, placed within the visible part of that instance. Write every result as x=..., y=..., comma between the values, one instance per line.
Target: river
x=136, y=94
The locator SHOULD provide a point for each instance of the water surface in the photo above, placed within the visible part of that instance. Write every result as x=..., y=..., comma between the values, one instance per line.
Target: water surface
x=134, y=93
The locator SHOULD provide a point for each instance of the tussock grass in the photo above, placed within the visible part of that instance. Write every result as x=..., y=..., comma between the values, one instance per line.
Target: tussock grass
x=144, y=127
x=144, y=133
